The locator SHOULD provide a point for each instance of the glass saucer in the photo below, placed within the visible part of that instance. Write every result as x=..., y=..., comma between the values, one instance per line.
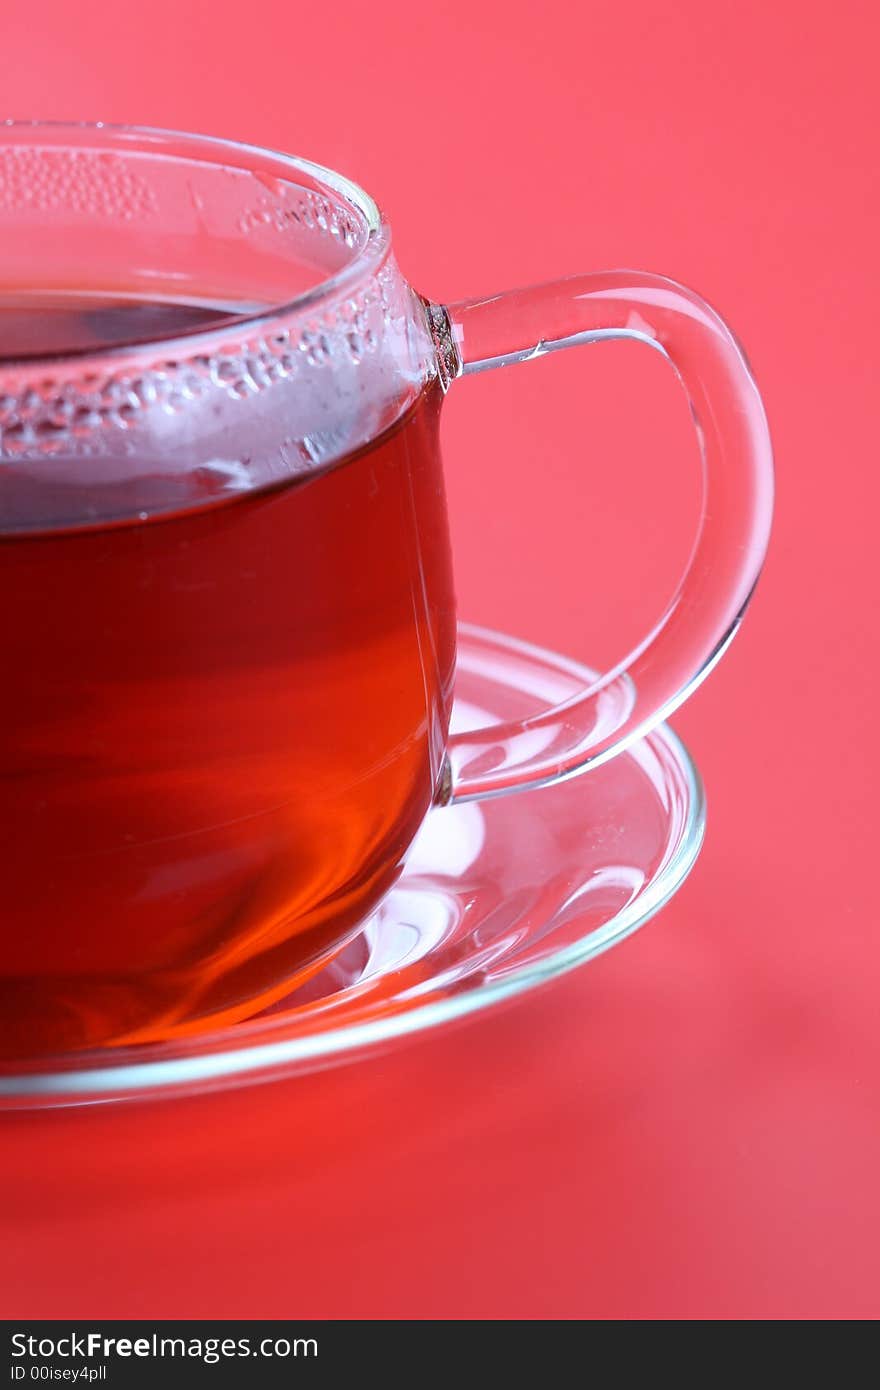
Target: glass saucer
x=495, y=897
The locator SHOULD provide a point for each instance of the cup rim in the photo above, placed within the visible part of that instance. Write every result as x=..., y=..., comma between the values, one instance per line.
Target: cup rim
x=365, y=261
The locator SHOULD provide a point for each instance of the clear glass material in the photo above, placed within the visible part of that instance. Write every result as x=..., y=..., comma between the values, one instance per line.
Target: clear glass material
x=228, y=662
x=226, y=703
x=242, y=322
x=318, y=345
x=494, y=899
x=708, y=605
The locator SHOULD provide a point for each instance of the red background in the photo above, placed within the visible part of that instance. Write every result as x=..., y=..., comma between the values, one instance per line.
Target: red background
x=690, y=1126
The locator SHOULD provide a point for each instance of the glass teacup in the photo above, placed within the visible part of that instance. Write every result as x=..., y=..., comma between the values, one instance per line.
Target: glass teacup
x=227, y=608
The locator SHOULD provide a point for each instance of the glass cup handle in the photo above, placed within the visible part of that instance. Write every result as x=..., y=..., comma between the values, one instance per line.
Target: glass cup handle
x=704, y=613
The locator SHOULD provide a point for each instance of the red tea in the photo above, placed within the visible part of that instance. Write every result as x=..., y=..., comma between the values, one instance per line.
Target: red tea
x=196, y=713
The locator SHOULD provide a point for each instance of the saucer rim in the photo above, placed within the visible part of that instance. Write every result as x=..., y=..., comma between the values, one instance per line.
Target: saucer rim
x=102, y=1083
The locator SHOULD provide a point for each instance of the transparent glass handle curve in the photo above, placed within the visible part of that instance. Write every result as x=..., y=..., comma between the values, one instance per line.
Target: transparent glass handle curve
x=705, y=611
